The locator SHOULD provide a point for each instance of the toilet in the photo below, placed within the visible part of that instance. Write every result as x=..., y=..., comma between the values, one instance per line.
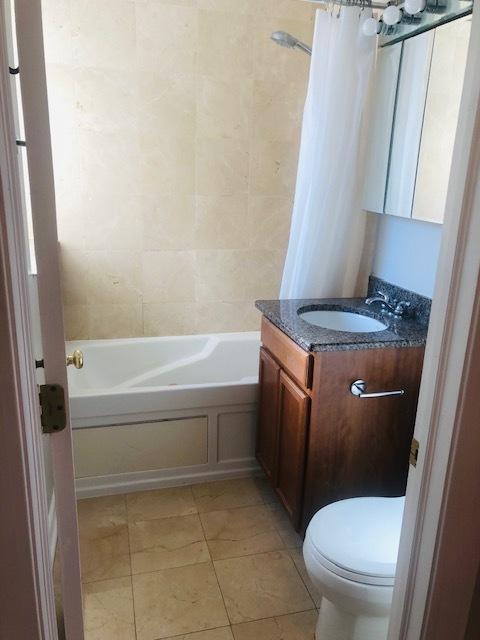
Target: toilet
x=350, y=553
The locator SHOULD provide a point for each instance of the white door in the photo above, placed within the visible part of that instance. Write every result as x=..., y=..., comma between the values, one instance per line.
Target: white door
x=22, y=26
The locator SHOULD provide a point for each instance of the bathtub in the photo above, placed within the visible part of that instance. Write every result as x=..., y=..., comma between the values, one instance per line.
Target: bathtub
x=154, y=412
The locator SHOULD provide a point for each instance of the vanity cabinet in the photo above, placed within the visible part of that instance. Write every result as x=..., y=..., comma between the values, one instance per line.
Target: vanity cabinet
x=293, y=417
x=269, y=380
x=319, y=443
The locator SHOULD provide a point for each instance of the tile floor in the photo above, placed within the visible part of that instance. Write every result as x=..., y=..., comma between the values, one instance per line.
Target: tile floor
x=216, y=561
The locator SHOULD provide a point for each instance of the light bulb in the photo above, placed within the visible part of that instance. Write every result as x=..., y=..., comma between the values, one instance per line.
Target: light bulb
x=370, y=27
x=392, y=15
x=414, y=6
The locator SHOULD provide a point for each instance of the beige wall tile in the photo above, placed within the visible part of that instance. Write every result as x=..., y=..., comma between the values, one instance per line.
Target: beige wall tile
x=108, y=610
x=275, y=62
x=177, y=601
x=118, y=228
x=269, y=219
x=277, y=110
x=166, y=36
x=273, y=168
x=177, y=181
x=220, y=222
x=220, y=317
x=167, y=276
x=75, y=318
x=91, y=47
x=114, y=321
x=247, y=7
x=104, y=99
x=113, y=277
x=260, y=586
x=61, y=88
x=263, y=274
x=169, y=319
x=57, y=30
x=107, y=164
x=224, y=108
x=168, y=222
x=222, y=166
x=166, y=164
x=286, y=9
x=225, y=45
x=166, y=543
x=74, y=275
x=219, y=275
x=71, y=224
x=166, y=103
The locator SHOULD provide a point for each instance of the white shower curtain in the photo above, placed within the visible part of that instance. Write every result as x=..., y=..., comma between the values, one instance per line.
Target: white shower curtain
x=326, y=236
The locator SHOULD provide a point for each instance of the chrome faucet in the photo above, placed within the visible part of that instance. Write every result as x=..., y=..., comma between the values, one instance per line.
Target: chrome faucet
x=393, y=307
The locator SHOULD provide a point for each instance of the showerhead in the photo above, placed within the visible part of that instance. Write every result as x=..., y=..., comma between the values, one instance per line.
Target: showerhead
x=285, y=39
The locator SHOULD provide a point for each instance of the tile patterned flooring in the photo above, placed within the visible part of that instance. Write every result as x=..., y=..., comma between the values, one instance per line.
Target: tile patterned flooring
x=213, y=561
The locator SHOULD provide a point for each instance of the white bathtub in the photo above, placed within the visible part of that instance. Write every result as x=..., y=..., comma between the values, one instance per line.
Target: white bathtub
x=152, y=412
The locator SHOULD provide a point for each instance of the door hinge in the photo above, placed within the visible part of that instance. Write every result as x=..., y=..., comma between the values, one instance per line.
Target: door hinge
x=414, y=447
x=52, y=404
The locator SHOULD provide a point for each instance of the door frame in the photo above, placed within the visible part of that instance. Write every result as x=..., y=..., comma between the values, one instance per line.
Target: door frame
x=443, y=417
x=27, y=606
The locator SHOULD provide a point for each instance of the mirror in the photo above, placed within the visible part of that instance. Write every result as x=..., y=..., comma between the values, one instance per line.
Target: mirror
x=418, y=87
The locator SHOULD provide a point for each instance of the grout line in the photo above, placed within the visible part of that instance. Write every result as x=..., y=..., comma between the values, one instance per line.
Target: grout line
x=216, y=575
x=304, y=580
x=131, y=569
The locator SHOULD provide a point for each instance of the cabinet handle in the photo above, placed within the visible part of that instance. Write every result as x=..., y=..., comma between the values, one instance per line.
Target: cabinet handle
x=359, y=388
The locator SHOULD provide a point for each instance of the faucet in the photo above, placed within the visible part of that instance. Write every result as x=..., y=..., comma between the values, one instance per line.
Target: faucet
x=392, y=307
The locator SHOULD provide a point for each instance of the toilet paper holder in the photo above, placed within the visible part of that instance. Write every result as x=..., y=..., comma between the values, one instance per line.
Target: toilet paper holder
x=359, y=389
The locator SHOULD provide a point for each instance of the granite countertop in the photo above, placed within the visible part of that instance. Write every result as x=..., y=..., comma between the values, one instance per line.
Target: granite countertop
x=284, y=314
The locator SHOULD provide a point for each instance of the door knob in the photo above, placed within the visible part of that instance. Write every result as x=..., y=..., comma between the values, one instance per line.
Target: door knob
x=76, y=359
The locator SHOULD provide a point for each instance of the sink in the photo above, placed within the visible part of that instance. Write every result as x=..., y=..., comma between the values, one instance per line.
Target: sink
x=342, y=321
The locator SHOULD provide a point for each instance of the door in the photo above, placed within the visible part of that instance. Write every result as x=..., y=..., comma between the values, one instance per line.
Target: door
x=293, y=416
x=22, y=19
x=269, y=376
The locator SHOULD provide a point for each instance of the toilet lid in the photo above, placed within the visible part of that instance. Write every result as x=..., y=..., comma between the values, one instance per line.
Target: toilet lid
x=359, y=537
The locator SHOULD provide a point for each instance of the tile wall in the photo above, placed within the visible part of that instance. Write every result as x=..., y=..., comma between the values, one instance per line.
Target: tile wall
x=175, y=129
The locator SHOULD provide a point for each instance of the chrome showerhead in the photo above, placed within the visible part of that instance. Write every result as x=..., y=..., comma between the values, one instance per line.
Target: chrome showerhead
x=285, y=39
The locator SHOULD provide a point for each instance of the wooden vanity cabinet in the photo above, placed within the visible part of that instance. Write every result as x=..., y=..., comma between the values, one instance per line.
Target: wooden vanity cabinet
x=360, y=446
x=284, y=413
x=316, y=441
x=292, y=433
x=269, y=380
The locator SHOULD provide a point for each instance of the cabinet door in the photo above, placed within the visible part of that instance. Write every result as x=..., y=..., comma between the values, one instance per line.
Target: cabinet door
x=293, y=417
x=360, y=446
x=269, y=377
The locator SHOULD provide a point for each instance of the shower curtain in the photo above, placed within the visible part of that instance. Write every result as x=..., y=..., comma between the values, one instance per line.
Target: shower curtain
x=326, y=236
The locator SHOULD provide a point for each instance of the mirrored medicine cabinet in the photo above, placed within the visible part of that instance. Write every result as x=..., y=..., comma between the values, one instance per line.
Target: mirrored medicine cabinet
x=414, y=115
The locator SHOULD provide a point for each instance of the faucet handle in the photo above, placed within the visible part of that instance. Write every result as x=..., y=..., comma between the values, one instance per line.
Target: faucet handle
x=385, y=296
x=402, y=307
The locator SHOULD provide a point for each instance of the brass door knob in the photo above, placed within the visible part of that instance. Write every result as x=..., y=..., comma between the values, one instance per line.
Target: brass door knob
x=76, y=359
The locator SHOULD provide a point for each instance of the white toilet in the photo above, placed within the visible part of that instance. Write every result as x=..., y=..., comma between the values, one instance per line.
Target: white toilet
x=350, y=552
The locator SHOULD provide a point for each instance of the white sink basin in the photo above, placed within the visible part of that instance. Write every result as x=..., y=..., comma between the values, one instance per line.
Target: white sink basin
x=343, y=321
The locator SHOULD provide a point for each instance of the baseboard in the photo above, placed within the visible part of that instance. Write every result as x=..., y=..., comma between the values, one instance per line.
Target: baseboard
x=52, y=528
x=143, y=481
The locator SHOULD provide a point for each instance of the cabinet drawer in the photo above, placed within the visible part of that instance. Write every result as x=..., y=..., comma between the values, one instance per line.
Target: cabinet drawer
x=292, y=358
